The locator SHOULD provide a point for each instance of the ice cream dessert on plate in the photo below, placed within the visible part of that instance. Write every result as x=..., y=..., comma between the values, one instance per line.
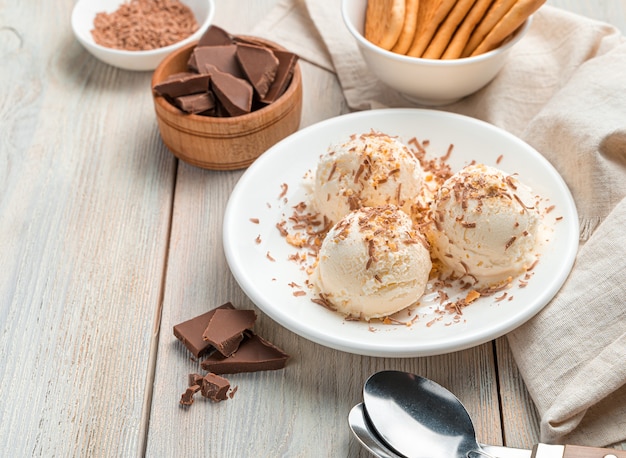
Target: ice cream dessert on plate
x=486, y=226
x=368, y=170
x=372, y=263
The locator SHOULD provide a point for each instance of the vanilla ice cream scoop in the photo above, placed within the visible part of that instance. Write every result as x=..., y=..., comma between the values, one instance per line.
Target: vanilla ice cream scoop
x=373, y=263
x=486, y=225
x=368, y=170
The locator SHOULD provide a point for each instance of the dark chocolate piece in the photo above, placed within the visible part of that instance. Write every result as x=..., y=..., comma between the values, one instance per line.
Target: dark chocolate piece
x=215, y=36
x=181, y=84
x=254, y=354
x=196, y=103
x=286, y=64
x=226, y=327
x=195, y=379
x=235, y=94
x=224, y=58
x=186, y=398
x=190, y=331
x=215, y=387
x=259, y=65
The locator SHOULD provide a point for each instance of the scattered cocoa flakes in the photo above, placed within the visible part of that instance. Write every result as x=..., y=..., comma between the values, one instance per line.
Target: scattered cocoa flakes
x=501, y=298
x=448, y=153
x=258, y=239
x=415, y=142
x=510, y=182
x=509, y=243
x=431, y=322
x=254, y=220
x=281, y=228
x=533, y=265
x=269, y=256
x=321, y=300
x=284, y=188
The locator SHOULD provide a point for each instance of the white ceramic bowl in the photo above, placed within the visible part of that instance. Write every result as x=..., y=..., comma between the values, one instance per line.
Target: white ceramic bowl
x=82, y=24
x=429, y=82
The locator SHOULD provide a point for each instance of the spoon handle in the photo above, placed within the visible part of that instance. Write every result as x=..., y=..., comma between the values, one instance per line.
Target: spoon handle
x=575, y=451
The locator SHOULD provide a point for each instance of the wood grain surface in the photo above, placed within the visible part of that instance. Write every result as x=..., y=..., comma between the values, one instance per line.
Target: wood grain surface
x=107, y=241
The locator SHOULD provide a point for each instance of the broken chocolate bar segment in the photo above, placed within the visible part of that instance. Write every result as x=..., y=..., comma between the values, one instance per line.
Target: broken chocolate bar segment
x=235, y=94
x=196, y=103
x=254, y=354
x=224, y=58
x=181, y=84
x=190, y=331
x=215, y=387
x=259, y=65
x=226, y=327
x=286, y=64
x=186, y=398
x=215, y=36
x=195, y=379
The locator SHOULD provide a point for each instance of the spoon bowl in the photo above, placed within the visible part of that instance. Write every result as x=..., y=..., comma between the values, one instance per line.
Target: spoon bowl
x=417, y=417
x=364, y=434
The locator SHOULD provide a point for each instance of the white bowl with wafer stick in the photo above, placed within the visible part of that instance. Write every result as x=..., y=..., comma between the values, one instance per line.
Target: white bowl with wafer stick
x=435, y=52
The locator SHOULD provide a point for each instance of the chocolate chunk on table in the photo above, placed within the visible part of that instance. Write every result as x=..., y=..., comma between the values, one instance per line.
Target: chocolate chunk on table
x=254, y=354
x=190, y=331
x=186, y=398
x=215, y=387
x=226, y=327
x=259, y=65
x=195, y=379
x=184, y=83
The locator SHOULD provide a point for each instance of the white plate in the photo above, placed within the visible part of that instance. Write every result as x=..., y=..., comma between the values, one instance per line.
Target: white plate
x=267, y=281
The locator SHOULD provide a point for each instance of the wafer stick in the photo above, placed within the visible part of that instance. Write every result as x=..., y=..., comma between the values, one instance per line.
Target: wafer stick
x=408, y=29
x=508, y=24
x=383, y=22
x=496, y=12
x=430, y=14
x=444, y=33
x=464, y=31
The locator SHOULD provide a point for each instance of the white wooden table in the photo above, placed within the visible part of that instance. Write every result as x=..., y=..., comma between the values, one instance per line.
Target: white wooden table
x=107, y=241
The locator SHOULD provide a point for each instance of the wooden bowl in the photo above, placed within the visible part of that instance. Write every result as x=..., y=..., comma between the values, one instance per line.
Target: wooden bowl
x=225, y=143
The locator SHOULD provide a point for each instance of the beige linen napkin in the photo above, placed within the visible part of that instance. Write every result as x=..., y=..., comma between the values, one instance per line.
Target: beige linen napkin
x=563, y=91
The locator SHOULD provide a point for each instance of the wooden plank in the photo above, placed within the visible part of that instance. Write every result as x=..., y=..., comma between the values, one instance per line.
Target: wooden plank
x=85, y=201
x=519, y=416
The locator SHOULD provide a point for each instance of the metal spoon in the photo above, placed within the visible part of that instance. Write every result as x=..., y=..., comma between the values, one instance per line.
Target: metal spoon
x=364, y=434
x=417, y=417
